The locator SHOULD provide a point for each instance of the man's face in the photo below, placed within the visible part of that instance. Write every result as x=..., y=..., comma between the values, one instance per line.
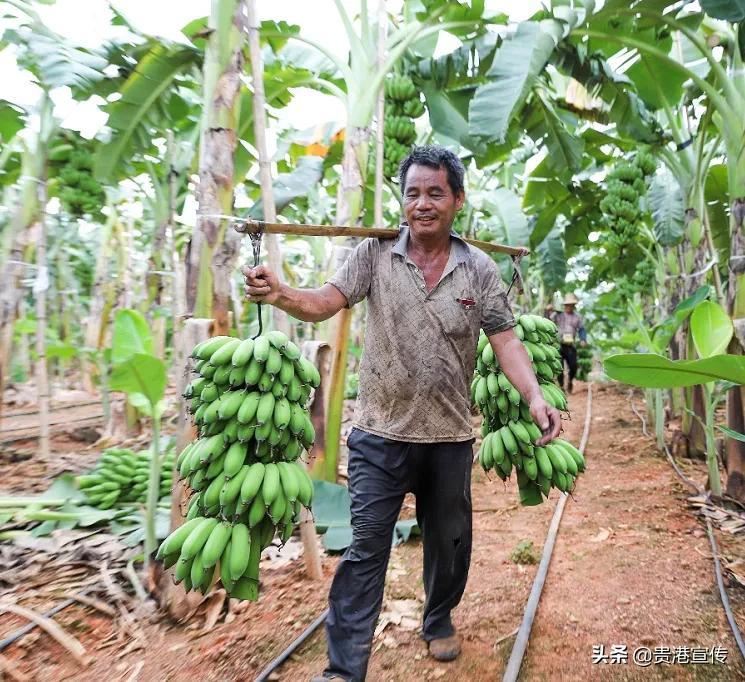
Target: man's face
x=429, y=203
x=569, y=308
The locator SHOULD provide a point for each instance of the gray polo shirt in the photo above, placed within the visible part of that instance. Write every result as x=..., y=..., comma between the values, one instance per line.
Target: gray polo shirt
x=420, y=348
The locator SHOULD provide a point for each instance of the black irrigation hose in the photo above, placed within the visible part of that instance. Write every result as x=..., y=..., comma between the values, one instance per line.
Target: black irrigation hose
x=723, y=593
x=264, y=674
x=523, y=634
x=20, y=632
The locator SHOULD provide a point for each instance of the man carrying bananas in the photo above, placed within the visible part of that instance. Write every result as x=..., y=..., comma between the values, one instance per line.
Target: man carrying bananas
x=428, y=295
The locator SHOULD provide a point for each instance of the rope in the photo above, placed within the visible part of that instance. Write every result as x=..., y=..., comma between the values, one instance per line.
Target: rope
x=517, y=277
x=255, y=238
x=523, y=634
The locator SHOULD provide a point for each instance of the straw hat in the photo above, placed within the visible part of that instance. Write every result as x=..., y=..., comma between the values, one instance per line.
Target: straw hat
x=570, y=299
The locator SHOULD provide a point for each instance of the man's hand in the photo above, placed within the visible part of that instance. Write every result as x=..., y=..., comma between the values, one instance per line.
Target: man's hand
x=262, y=285
x=547, y=418
x=583, y=343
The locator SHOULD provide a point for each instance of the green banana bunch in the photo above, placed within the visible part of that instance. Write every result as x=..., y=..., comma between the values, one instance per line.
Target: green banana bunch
x=509, y=434
x=249, y=402
x=121, y=476
x=403, y=104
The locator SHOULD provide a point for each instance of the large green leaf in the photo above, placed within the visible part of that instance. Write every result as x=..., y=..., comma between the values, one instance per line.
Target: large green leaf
x=668, y=211
x=711, y=329
x=140, y=374
x=505, y=205
x=564, y=148
x=11, y=120
x=131, y=336
x=553, y=261
x=657, y=82
x=655, y=371
x=516, y=65
x=663, y=333
x=141, y=100
x=717, y=206
x=731, y=10
x=290, y=186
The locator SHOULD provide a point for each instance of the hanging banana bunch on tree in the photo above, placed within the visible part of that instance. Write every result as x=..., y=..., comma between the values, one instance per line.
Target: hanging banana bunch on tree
x=403, y=105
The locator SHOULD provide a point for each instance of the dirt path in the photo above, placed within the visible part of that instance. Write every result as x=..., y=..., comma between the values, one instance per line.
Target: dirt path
x=631, y=567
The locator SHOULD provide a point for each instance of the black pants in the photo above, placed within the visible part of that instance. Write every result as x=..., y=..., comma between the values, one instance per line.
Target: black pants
x=381, y=472
x=569, y=355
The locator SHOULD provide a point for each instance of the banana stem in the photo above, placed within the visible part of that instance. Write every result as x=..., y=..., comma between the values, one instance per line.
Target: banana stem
x=45, y=515
x=26, y=501
x=659, y=418
x=153, y=489
x=715, y=483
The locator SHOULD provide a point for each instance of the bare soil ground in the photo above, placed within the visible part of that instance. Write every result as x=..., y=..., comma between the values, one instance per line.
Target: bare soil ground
x=631, y=566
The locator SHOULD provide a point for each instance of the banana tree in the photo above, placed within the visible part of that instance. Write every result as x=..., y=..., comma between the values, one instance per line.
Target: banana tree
x=724, y=90
x=360, y=80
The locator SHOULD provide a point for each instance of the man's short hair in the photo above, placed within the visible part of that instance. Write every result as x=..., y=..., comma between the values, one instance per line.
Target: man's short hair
x=435, y=157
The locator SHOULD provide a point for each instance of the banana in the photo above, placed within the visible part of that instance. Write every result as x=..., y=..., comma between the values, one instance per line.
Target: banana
x=510, y=444
x=273, y=363
x=533, y=431
x=248, y=407
x=210, y=415
x=197, y=538
x=279, y=390
x=293, y=388
x=224, y=354
x=544, y=462
x=195, y=387
x=183, y=569
x=221, y=377
x=225, y=559
x=305, y=488
x=236, y=377
x=243, y=353
x=208, y=370
x=215, y=544
x=519, y=431
x=265, y=408
x=278, y=508
x=256, y=511
x=572, y=467
x=266, y=383
x=308, y=436
x=263, y=431
x=215, y=466
x=513, y=396
x=232, y=488
x=557, y=458
x=286, y=372
x=234, y=459
x=289, y=480
x=230, y=403
x=487, y=355
x=291, y=351
x=526, y=323
x=176, y=539
x=282, y=413
x=197, y=572
x=212, y=492
x=270, y=488
x=482, y=392
x=492, y=384
x=261, y=349
x=240, y=547
x=278, y=339
x=293, y=449
x=504, y=382
x=245, y=433
x=530, y=466
x=230, y=432
x=251, y=484
x=197, y=481
x=253, y=372
x=275, y=435
x=208, y=348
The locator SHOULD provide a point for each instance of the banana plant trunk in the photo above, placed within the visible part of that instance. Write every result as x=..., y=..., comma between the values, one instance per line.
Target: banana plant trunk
x=214, y=247
x=348, y=210
x=40, y=290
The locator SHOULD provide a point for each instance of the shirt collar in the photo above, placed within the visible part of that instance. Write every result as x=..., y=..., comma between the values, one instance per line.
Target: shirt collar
x=460, y=252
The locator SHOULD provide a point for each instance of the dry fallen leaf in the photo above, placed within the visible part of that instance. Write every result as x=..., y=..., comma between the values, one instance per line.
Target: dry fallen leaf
x=603, y=535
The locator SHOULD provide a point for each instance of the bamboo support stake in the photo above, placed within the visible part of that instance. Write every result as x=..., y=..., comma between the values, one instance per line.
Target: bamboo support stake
x=280, y=318
x=380, y=116
x=253, y=226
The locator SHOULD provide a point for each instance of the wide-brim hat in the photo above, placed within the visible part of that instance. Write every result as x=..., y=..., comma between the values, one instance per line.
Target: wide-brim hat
x=570, y=299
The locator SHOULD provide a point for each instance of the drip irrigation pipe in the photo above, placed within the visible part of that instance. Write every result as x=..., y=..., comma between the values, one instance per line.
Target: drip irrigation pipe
x=523, y=633
x=723, y=593
x=264, y=674
x=20, y=632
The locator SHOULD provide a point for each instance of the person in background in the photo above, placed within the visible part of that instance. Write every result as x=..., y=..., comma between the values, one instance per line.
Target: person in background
x=570, y=327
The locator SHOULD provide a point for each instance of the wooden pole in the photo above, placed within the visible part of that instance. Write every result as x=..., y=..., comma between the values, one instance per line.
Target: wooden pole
x=253, y=226
x=380, y=116
x=281, y=321
x=40, y=291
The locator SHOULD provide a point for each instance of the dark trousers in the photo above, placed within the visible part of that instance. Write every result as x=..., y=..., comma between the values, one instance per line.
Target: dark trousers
x=381, y=472
x=568, y=355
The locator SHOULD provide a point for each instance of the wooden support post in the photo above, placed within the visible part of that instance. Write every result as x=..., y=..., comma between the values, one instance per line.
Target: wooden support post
x=179, y=603
x=319, y=353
